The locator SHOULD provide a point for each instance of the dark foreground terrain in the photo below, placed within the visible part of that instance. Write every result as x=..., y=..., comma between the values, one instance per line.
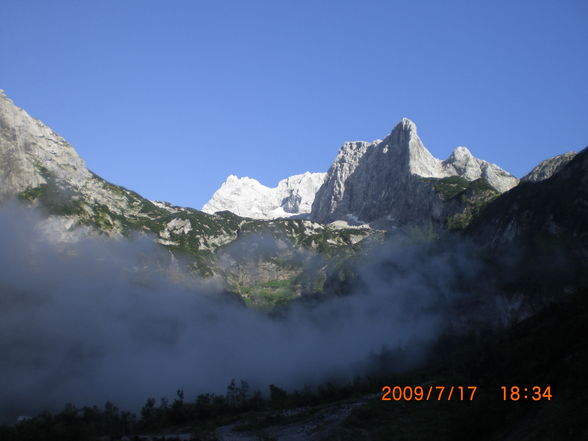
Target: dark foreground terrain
x=548, y=349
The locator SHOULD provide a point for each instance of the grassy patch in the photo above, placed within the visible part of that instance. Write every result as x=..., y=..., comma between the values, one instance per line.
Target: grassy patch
x=270, y=295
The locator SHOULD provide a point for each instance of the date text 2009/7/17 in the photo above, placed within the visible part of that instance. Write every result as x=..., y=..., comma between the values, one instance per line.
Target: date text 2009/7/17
x=428, y=393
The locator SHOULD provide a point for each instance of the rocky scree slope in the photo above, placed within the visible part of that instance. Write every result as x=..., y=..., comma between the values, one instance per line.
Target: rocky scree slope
x=40, y=168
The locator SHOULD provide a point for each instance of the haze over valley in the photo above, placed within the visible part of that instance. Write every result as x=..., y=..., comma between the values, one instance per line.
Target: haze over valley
x=109, y=296
x=293, y=221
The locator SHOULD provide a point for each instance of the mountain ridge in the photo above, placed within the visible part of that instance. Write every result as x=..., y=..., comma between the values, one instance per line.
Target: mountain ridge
x=357, y=187
x=247, y=197
x=548, y=167
x=388, y=180
x=38, y=167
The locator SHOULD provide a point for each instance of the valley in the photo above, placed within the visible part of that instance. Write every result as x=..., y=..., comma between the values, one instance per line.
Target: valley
x=392, y=267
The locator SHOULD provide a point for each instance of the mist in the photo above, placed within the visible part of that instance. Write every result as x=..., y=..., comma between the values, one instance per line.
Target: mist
x=86, y=319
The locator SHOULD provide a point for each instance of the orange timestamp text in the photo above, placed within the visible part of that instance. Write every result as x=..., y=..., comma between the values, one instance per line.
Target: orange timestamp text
x=522, y=393
x=428, y=393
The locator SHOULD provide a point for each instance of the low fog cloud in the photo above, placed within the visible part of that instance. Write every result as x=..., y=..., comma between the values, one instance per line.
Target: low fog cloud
x=96, y=319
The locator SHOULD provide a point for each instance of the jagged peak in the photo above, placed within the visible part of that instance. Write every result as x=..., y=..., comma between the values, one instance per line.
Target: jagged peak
x=293, y=196
x=461, y=152
x=408, y=124
x=358, y=144
x=404, y=141
x=236, y=180
x=405, y=125
x=404, y=134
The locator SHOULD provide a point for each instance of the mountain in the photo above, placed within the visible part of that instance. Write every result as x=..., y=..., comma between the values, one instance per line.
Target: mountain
x=547, y=168
x=41, y=169
x=536, y=235
x=532, y=249
x=549, y=210
x=398, y=180
x=389, y=183
x=247, y=197
x=395, y=180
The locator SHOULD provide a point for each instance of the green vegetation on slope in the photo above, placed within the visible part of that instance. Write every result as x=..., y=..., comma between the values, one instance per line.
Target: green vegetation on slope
x=270, y=295
x=470, y=197
x=198, y=238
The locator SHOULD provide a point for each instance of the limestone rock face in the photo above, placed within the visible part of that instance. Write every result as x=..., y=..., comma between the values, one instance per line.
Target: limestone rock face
x=247, y=197
x=386, y=179
x=390, y=179
x=462, y=163
x=32, y=156
x=547, y=168
x=29, y=149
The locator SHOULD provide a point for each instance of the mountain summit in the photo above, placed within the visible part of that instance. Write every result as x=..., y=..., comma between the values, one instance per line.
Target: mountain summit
x=394, y=179
x=390, y=182
x=388, y=179
x=247, y=197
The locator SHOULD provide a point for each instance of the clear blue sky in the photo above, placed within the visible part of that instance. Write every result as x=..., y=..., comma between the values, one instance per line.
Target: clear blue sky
x=169, y=97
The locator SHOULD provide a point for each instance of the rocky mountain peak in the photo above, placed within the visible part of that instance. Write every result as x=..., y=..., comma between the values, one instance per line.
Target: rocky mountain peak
x=367, y=181
x=403, y=133
x=461, y=152
x=383, y=179
x=547, y=168
x=404, y=129
x=406, y=150
x=248, y=197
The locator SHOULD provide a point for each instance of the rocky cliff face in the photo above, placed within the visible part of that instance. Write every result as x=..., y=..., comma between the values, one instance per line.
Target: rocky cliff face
x=394, y=180
x=38, y=164
x=546, y=169
x=29, y=150
x=388, y=181
x=462, y=163
x=247, y=197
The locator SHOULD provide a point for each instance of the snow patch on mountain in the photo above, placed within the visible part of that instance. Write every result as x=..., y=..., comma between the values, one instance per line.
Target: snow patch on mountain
x=367, y=181
x=247, y=197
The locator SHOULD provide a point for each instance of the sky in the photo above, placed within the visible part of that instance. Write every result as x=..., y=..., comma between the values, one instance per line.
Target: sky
x=168, y=98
